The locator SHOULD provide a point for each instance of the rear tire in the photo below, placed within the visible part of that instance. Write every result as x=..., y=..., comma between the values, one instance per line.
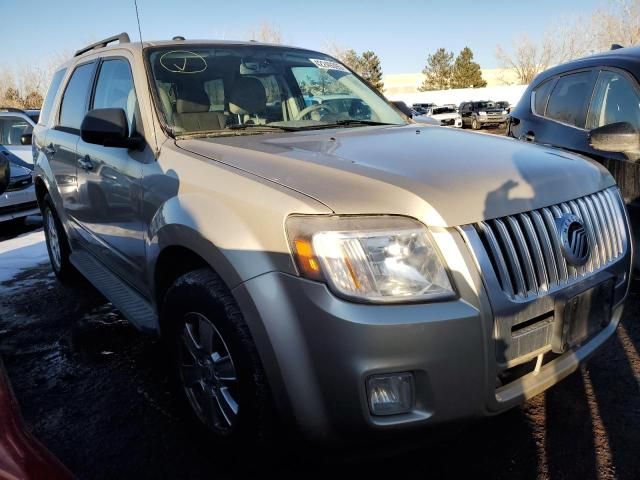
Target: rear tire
x=217, y=366
x=57, y=243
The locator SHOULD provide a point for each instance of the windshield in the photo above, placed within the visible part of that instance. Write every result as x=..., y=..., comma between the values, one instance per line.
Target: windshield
x=223, y=89
x=485, y=105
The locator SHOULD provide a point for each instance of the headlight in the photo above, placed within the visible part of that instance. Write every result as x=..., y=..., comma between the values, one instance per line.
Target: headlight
x=374, y=259
x=482, y=113
x=504, y=112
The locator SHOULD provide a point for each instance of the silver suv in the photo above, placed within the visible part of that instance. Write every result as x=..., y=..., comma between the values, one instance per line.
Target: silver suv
x=346, y=273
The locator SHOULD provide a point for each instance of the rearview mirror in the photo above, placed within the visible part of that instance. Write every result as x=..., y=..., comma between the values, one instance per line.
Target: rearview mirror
x=615, y=137
x=5, y=174
x=108, y=127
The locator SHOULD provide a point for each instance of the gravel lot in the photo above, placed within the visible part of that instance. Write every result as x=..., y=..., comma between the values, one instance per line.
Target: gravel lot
x=96, y=393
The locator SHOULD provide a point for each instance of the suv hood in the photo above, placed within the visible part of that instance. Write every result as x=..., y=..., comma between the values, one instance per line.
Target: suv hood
x=441, y=176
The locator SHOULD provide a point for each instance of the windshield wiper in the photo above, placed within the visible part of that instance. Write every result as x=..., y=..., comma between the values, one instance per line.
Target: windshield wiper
x=347, y=123
x=245, y=126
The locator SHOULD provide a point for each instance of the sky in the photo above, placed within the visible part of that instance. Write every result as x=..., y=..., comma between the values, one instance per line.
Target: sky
x=401, y=32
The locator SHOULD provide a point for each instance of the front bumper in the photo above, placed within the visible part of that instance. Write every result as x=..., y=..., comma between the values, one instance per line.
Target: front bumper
x=318, y=351
x=18, y=203
x=492, y=119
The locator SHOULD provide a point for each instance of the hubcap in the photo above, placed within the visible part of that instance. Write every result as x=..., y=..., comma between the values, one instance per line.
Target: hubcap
x=54, y=242
x=208, y=373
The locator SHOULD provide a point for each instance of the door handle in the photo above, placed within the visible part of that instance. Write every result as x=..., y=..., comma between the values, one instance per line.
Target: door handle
x=85, y=163
x=50, y=149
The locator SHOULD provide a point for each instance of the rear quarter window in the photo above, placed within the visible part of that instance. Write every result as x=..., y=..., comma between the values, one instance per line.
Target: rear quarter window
x=45, y=112
x=540, y=96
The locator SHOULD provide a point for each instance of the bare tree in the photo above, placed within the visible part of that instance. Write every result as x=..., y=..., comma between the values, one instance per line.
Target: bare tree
x=573, y=38
x=267, y=33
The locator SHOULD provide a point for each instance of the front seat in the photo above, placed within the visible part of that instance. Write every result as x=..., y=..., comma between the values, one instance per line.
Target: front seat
x=248, y=100
x=193, y=115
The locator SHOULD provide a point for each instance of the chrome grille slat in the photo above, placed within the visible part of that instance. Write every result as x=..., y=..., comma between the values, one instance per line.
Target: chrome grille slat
x=526, y=252
x=536, y=252
x=550, y=223
x=512, y=257
x=547, y=249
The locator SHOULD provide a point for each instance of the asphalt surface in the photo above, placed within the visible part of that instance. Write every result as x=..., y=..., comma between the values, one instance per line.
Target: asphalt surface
x=96, y=393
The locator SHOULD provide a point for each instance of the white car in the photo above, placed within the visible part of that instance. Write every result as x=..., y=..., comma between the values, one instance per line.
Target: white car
x=447, y=116
x=19, y=200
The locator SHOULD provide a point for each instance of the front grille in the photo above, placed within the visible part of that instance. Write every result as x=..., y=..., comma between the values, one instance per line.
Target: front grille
x=525, y=248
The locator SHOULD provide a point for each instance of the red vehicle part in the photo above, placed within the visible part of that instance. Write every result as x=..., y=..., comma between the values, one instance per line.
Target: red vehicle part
x=22, y=457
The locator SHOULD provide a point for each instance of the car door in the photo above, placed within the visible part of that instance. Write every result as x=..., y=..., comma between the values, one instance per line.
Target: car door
x=61, y=140
x=109, y=180
x=12, y=127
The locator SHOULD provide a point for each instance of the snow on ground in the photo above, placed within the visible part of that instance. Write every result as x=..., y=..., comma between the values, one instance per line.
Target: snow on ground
x=22, y=253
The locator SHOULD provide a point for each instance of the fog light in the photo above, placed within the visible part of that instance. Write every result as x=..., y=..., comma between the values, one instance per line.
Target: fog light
x=390, y=394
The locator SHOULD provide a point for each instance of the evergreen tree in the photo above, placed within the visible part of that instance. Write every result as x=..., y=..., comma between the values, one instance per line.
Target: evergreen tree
x=466, y=73
x=371, y=70
x=437, y=71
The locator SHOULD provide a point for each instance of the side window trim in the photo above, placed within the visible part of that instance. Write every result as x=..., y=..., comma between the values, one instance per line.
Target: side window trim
x=594, y=76
x=57, y=125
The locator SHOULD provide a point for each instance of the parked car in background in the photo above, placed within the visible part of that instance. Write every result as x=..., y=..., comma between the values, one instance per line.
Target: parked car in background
x=19, y=199
x=422, y=108
x=504, y=105
x=480, y=114
x=14, y=124
x=447, y=116
x=350, y=277
x=590, y=106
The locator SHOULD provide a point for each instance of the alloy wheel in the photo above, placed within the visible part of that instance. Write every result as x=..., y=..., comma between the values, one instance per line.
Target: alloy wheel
x=54, y=239
x=208, y=374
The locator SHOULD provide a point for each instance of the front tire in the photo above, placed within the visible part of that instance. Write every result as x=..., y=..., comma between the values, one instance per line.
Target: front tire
x=57, y=243
x=475, y=124
x=218, y=368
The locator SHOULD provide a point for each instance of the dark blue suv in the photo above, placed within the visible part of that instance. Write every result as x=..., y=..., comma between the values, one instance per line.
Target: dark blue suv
x=590, y=106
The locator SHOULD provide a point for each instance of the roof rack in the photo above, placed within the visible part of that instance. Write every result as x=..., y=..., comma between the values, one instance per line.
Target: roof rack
x=121, y=38
x=12, y=109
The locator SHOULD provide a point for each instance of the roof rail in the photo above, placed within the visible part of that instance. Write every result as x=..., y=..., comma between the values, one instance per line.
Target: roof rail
x=121, y=38
x=11, y=109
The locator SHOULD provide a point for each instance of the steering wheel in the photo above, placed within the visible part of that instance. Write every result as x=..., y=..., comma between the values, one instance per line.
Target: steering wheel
x=312, y=108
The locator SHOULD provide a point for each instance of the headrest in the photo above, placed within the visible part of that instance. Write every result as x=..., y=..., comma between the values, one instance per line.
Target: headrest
x=192, y=100
x=247, y=97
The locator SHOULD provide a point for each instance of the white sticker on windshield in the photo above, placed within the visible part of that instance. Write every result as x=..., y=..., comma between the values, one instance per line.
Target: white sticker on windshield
x=328, y=65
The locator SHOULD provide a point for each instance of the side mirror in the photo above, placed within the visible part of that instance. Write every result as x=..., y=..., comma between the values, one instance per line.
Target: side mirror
x=108, y=127
x=26, y=139
x=5, y=174
x=615, y=137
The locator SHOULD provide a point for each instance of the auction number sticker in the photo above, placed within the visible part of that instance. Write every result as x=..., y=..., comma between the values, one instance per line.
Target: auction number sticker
x=183, y=61
x=328, y=65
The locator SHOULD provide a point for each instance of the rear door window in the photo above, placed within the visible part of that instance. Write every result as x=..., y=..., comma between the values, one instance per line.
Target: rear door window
x=570, y=98
x=76, y=96
x=615, y=99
